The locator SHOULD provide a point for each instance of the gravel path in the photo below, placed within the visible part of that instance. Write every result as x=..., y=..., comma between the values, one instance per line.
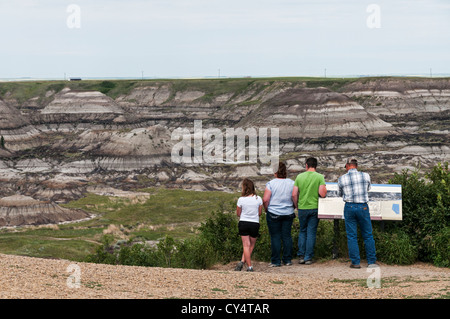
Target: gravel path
x=36, y=278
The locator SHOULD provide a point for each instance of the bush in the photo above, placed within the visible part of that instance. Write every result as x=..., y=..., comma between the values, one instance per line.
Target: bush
x=195, y=253
x=324, y=239
x=104, y=254
x=190, y=253
x=137, y=255
x=395, y=248
x=220, y=231
x=426, y=208
x=439, y=247
x=106, y=86
x=262, y=250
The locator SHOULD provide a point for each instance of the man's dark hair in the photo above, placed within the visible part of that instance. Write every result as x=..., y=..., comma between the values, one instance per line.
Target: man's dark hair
x=351, y=162
x=311, y=162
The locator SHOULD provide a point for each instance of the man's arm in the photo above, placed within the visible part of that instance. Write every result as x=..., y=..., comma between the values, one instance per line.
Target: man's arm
x=322, y=191
x=295, y=195
x=369, y=182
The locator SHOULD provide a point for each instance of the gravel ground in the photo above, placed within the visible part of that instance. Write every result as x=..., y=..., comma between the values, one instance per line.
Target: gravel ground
x=36, y=278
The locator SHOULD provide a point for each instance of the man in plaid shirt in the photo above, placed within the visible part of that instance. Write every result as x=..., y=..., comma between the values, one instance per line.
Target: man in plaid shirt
x=354, y=188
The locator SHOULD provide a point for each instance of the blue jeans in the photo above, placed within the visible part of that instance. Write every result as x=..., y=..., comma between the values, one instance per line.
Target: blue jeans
x=280, y=231
x=308, y=230
x=358, y=214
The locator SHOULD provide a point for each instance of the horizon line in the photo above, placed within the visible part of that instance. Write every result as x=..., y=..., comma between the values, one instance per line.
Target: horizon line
x=28, y=78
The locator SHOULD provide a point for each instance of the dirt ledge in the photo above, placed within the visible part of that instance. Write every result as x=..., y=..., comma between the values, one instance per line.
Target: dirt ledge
x=37, y=278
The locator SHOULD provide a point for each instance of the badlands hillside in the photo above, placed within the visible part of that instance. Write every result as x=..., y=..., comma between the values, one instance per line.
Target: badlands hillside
x=63, y=139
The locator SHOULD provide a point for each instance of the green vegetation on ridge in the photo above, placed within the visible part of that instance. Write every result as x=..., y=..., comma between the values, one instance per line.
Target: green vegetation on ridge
x=22, y=91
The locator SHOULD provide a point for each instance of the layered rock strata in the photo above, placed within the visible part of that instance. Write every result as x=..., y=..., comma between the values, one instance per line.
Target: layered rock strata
x=19, y=210
x=69, y=141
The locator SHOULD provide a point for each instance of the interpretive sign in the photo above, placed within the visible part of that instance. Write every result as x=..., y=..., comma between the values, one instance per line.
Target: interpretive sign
x=385, y=202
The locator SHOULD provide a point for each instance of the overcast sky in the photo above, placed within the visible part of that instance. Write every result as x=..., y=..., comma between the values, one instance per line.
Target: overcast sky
x=196, y=38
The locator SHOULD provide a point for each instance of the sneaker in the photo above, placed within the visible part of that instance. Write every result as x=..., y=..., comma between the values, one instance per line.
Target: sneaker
x=287, y=264
x=355, y=266
x=250, y=269
x=301, y=259
x=372, y=265
x=274, y=265
x=308, y=262
x=239, y=266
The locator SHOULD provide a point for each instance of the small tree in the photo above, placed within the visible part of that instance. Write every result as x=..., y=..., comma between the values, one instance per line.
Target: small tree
x=2, y=142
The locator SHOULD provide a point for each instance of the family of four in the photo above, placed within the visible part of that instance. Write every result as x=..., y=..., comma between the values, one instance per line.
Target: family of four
x=282, y=195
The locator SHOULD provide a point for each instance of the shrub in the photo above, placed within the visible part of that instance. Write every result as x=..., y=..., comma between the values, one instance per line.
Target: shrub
x=220, y=231
x=426, y=208
x=262, y=250
x=324, y=239
x=439, y=247
x=106, y=86
x=195, y=253
x=395, y=248
x=137, y=255
x=103, y=253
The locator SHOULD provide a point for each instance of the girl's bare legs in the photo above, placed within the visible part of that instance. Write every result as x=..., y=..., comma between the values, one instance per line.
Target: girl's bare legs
x=248, y=244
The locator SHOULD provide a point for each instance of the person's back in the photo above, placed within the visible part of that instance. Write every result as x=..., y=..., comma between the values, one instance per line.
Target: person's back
x=280, y=215
x=281, y=196
x=307, y=188
x=308, y=184
x=250, y=208
x=354, y=188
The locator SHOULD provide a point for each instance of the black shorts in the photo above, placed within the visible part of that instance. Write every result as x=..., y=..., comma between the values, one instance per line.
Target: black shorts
x=248, y=229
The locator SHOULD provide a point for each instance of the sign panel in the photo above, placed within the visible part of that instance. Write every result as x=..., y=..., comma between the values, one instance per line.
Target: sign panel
x=385, y=202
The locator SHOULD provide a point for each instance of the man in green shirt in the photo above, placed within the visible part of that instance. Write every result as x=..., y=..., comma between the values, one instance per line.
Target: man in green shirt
x=308, y=187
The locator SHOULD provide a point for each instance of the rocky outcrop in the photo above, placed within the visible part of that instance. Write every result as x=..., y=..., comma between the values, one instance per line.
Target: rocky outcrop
x=70, y=106
x=16, y=129
x=146, y=141
x=414, y=105
x=19, y=210
x=317, y=113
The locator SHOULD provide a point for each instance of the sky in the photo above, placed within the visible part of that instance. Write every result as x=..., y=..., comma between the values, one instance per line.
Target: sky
x=229, y=38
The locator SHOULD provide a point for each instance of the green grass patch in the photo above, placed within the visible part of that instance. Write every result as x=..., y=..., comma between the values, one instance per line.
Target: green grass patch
x=177, y=213
x=164, y=207
x=35, y=246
